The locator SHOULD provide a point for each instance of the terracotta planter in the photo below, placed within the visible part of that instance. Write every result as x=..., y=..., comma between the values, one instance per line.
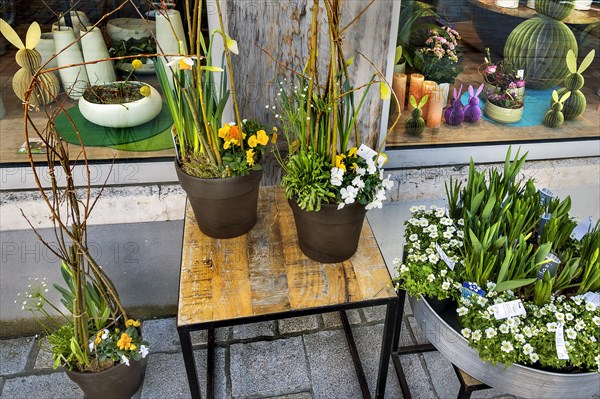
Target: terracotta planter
x=442, y=330
x=502, y=115
x=224, y=208
x=118, y=382
x=329, y=235
x=124, y=115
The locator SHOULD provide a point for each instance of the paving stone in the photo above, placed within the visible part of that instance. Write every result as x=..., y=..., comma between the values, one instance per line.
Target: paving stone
x=14, y=353
x=417, y=332
x=368, y=343
x=222, y=335
x=374, y=313
x=268, y=368
x=444, y=378
x=44, y=357
x=301, y=395
x=418, y=381
x=254, y=330
x=162, y=335
x=298, y=324
x=331, y=367
x=166, y=377
x=55, y=385
x=406, y=338
x=332, y=319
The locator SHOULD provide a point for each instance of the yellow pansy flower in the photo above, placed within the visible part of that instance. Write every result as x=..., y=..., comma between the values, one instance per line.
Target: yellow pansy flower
x=352, y=152
x=224, y=131
x=262, y=138
x=124, y=342
x=132, y=322
x=339, y=162
x=252, y=142
x=132, y=347
x=250, y=157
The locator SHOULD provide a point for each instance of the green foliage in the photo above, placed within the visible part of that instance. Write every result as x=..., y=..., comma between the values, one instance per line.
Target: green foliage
x=306, y=179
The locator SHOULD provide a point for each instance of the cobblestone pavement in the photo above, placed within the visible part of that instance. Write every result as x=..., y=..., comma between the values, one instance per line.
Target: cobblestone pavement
x=299, y=358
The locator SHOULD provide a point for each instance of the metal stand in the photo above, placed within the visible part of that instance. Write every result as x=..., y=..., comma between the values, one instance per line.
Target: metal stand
x=466, y=387
x=386, y=351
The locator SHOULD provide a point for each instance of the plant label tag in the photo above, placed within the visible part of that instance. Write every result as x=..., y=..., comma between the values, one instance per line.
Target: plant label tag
x=508, y=309
x=469, y=289
x=366, y=152
x=552, y=263
x=444, y=257
x=559, y=339
x=177, y=149
x=545, y=196
x=520, y=73
x=582, y=228
x=592, y=297
x=381, y=160
x=543, y=220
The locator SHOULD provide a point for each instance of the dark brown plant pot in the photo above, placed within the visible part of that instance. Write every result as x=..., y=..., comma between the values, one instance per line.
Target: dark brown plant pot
x=439, y=305
x=224, y=208
x=329, y=235
x=117, y=382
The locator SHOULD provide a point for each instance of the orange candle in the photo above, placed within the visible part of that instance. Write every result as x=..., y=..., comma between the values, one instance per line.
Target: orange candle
x=416, y=83
x=426, y=89
x=399, y=87
x=436, y=109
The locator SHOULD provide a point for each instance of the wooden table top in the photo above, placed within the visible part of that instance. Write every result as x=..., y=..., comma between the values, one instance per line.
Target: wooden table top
x=577, y=17
x=264, y=271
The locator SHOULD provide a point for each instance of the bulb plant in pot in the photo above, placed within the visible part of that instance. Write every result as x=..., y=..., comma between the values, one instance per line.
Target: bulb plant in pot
x=504, y=107
x=330, y=183
x=91, y=335
x=217, y=163
x=501, y=76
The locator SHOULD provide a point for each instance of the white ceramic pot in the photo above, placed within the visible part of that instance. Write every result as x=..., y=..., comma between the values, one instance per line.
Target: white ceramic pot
x=94, y=48
x=46, y=49
x=79, y=19
x=583, y=5
x=507, y=3
x=502, y=115
x=445, y=87
x=127, y=28
x=74, y=79
x=400, y=68
x=123, y=115
x=169, y=31
x=531, y=4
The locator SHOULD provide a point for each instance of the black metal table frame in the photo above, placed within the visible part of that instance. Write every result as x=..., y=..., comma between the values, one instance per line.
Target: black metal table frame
x=384, y=357
x=465, y=390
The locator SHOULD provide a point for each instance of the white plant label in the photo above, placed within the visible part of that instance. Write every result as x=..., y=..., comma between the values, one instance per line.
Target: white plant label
x=559, y=339
x=508, y=309
x=381, y=160
x=366, y=152
x=582, y=228
x=520, y=73
x=444, y=257
x=592, y=297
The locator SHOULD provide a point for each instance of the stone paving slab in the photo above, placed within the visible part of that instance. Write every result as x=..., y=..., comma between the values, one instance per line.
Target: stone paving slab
x=14, y=354
x=331, y=368
x=48, y=386
x=254, y=330
x=417, y=377
x=298, y=324
x=332, y=319
x=222, y=335
x=43, y=359
x=374, y=313
x=268, y=368
x=302, y=395
x=162, y=335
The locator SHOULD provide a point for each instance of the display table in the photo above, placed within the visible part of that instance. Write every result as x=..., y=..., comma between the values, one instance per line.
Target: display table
x=263, y=275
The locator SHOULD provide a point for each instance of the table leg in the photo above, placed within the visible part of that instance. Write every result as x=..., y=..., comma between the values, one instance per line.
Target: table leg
x=210, y=365
x=188, y=360
x=386, y=347
x=360, y=373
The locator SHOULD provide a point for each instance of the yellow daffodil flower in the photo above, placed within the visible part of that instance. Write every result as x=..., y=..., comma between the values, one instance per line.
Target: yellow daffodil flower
x=252, y=142
x=250, y=157
x=352, y=152
x=184, y=63
x=262, y=138
x=137, y=64
x=124, y=342
x=145, y=91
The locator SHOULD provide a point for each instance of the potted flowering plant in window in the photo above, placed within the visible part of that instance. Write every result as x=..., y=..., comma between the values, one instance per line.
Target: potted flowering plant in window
x=501, y=76
x=505, y=107
x=524, y=276
x=217, y=163
x=330, y=183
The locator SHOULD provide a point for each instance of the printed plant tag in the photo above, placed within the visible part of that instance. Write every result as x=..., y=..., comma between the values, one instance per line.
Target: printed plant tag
x=545, y=196
x=552, y=264
x=381, y=160
x=469, y=289
x=444, y=257
x=366, y=152
x=508, y=309
x=520, y=73
x=592, y=297
x=582, y=228
x=559, y=339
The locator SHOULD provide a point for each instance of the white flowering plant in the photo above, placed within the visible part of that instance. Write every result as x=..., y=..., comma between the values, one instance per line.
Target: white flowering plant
x=530, y=339
x=424, y=271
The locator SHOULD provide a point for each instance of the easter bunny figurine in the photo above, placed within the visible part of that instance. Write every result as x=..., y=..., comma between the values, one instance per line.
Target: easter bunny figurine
x=416, y=124
x=554, y=116
x=575, y=105
x=454, y=113
x=29, y=60
x=472, y=110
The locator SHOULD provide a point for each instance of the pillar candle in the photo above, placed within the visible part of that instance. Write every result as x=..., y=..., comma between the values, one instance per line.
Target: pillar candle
x=427, y=89
x=436, y=109
x=416, y=82
x=399, y=87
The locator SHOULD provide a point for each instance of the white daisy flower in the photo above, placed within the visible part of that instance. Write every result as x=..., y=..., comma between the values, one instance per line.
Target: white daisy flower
x=403, y=269
x=527, y=349
x=506, y=347
x=476, y=335
x=443, y=272
x=590, y=307
x=433, y=258
x=460, y=234
x=490, y=332
x=534, y=357
x=551, y=326
x=466, y=332
x=596, y=320
x=462, y=311
x=430, y=278
x=414, y=209
x=413, y=237
x=445, y=285
x=503, y=328
x=571, y=333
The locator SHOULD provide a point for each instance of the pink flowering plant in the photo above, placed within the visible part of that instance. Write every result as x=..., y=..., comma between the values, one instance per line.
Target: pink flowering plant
x=507, y=99
x=438, y=59
x=502, y=74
